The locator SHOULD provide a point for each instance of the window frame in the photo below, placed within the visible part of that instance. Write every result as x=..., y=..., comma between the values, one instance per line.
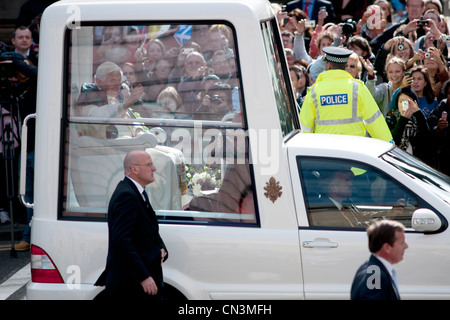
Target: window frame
x=67, y=121
x=421, y=202
x=280, y=79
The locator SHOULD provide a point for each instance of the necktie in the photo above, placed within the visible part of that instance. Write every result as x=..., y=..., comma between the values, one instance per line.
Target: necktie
x=394, y=278
x=306, y=8
x=146, y=198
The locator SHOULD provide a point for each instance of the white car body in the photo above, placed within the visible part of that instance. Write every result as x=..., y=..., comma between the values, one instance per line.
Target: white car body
x=268, y=260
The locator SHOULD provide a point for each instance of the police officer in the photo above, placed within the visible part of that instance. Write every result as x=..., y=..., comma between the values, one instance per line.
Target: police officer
x=339, y=104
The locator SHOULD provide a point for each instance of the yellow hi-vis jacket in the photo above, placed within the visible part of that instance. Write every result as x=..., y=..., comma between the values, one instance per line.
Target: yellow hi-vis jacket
x=339, y=104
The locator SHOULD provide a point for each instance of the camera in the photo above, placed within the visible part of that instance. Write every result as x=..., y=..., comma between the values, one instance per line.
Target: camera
x=405, y=105
x=446, y=38
x=216, y=99
x=310, y=24
x=422, y=23
x=348, y=27
x=7, y=72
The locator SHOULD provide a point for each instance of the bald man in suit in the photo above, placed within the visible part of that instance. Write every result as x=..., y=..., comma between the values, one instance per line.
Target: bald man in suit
x=136, y=251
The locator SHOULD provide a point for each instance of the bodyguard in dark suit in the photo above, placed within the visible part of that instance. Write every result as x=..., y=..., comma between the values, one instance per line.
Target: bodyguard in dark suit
x=335, y=208
x=136, y=251
x=313, y=15
x=376, y=278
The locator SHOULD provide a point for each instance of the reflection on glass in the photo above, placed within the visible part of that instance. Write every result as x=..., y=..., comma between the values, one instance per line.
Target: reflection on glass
x=348, y=194
x=172, y=90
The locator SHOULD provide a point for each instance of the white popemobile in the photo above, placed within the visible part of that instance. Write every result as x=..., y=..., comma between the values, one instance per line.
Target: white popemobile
x=241, y=195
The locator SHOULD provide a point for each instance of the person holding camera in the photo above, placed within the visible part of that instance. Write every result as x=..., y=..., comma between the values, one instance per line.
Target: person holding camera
x=374, y=20
x=216, y=103
x=312, y=8
x=415, y=9
x=434, y=26
x=436, y=65
x=400, y=47
x=411, y=132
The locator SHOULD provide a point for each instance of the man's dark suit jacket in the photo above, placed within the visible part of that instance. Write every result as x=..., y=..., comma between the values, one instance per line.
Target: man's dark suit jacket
x=298, y=4
x=360, y=290
x=324, y=212
x=134, y=251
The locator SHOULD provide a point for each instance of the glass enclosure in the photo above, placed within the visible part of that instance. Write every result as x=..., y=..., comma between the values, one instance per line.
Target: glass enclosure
x=173, y=90
x=349, y=194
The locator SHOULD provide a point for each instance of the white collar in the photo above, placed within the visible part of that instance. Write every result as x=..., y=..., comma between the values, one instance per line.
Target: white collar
x=138, y=186
x=26, y=56
x=386, y=263
x=337, y=204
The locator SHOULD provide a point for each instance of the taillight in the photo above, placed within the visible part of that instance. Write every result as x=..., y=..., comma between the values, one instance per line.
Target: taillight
x=42, y=267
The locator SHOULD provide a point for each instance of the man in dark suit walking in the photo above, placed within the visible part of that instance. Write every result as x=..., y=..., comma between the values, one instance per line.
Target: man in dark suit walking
x=376, y=279
x=136, y=251
x=312, y=7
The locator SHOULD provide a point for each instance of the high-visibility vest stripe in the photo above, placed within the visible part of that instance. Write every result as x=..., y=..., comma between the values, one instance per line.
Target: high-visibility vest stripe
x=374, y=117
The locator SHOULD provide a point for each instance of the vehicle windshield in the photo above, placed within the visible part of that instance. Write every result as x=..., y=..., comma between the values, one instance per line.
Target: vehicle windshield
x=435, y=180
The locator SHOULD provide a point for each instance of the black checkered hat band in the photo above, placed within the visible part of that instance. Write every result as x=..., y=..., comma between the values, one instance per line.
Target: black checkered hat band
x=335, y=59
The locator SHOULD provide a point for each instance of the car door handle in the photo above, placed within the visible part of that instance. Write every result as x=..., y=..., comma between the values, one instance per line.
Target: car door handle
x=319, y=244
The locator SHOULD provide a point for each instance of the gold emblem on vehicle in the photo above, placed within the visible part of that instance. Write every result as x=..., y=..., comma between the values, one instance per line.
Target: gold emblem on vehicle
x=273, y=189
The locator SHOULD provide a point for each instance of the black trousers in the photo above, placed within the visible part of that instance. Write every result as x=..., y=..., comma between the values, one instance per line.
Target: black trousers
x=129, y=293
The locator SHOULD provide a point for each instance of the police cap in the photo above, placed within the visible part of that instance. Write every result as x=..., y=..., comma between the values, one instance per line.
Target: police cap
x=336, y=54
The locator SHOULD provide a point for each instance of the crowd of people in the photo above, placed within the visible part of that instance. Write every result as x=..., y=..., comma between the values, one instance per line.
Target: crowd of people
x=193, y=77
x=400, y=53
x=18, y=87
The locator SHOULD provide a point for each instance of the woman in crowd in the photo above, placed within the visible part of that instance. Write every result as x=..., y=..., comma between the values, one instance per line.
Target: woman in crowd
x=361, y=47
x=354, y=66
x=148, y=57
x=129, y=72
x=411, y=132
x=169, y=105
x=158, y=80
x=382, y=93
x=300, y=82
x=421, y=84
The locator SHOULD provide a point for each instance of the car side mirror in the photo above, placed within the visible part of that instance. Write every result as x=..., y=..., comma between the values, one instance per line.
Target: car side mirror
x=425, y=220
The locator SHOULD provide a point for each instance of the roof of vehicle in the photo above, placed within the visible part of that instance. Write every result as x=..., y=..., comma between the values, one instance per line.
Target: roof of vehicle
x=167, y=9
x=339, y=145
